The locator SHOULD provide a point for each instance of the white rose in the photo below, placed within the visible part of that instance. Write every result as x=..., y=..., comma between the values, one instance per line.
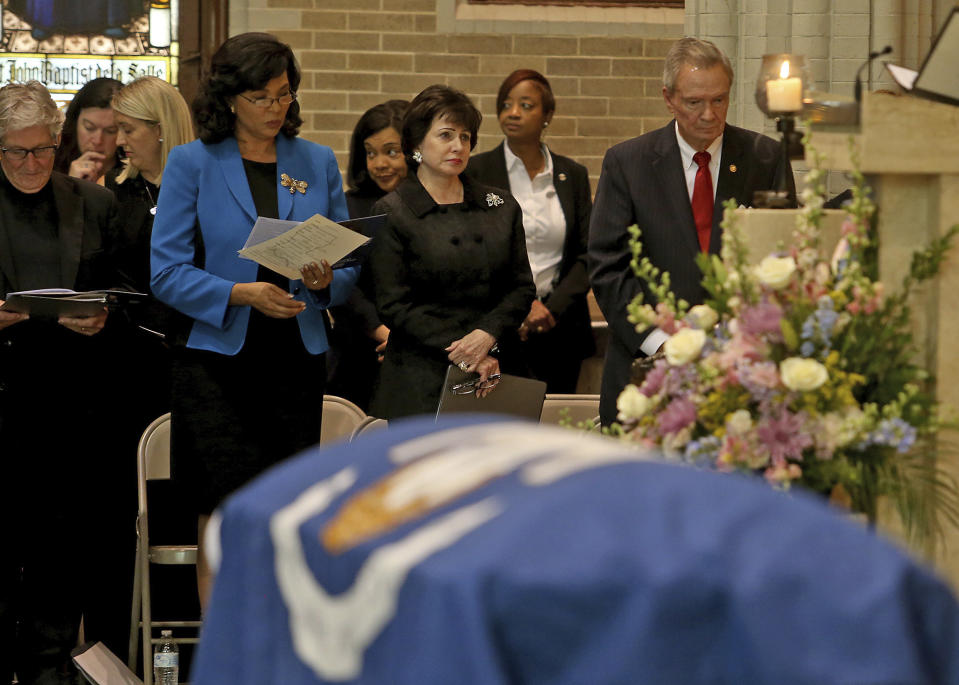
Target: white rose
x=631, y=403
x=684, y=346
x=739, y=422
x=703, y=316
x=802, y=374
x=776, y=271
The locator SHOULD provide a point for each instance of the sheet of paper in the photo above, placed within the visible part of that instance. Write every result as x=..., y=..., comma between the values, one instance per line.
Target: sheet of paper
x=903, y=76
x=315, y=239
x=265, y=228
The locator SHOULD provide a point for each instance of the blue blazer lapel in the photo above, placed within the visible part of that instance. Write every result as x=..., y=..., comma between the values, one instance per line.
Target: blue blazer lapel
x=227, y=154
x=668, y=171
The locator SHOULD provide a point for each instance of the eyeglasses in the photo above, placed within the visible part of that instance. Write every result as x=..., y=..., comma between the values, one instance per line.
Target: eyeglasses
x=18, y=154
x=472, y=386
x=268, y=102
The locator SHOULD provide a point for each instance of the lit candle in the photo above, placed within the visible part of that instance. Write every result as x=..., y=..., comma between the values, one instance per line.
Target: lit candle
x=784, y=94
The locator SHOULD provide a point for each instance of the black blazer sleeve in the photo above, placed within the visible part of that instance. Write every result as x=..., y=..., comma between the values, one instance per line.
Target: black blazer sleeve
x=614, y=284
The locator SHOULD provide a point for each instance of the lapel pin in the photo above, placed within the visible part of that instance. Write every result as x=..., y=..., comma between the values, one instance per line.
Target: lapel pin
x=561, y=176
x=293, y=184
x=732, y=168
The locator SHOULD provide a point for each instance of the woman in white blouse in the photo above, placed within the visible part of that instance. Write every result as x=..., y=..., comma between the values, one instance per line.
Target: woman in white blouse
x=554, y=194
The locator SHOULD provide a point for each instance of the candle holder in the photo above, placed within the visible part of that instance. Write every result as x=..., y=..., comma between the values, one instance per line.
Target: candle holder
x=780, y=91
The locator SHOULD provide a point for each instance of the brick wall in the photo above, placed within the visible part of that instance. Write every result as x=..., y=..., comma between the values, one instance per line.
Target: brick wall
x=357, y=53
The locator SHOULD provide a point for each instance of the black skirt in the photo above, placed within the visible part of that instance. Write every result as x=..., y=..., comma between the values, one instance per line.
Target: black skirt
x=234, y=417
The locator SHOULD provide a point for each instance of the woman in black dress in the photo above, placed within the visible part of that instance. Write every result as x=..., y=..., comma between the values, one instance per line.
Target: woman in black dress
x=376, y=167
x=88, y=145
x=554, y=193
x=450, y=267
x=248, y=384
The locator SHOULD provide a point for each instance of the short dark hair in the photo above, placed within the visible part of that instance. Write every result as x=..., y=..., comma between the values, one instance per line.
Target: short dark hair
x=517, y=77
x=433, y=102
x=244, y=62
x=95, y=93
x=375, y=119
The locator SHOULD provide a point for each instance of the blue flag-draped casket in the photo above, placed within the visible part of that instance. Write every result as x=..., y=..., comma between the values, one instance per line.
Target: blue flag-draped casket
x=478, y=550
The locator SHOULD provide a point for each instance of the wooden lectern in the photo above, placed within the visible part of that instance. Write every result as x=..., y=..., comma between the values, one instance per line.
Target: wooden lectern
x=909, y=152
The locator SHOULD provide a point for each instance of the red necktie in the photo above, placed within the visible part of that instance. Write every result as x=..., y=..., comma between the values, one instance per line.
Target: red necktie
x=703, y=200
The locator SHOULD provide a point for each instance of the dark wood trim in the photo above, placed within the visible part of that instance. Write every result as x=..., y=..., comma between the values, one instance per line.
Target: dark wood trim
x=203, y=28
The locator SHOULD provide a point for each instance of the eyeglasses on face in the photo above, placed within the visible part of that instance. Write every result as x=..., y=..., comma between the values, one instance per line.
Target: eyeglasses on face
x=472, y=386
x=18, y=154
x=268, y=102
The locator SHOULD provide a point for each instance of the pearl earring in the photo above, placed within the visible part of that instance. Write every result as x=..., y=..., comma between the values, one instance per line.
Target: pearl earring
x=159, y=140
x=545, y=124
x=417, y=156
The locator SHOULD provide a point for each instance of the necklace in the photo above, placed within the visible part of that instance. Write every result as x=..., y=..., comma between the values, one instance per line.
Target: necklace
x=146, y=187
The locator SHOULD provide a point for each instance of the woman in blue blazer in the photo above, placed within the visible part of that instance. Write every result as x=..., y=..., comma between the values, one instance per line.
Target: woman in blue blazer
x=248, y=381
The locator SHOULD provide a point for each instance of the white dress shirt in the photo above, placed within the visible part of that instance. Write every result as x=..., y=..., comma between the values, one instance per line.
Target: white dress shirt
x=657, y=337
x=543, y=219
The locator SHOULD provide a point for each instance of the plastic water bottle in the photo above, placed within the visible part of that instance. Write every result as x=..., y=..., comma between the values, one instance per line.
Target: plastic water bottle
x=166, y=660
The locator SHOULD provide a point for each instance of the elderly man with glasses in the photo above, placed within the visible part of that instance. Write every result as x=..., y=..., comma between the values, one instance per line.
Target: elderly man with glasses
x=54, y=233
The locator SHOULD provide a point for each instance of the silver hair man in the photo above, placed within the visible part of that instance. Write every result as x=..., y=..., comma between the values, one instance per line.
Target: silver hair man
x=23, y=105
x=696, y=53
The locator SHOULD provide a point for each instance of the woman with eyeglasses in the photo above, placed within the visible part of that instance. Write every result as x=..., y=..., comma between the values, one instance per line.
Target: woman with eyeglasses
x=248, y=383
x=554, y=193
x=450, y=267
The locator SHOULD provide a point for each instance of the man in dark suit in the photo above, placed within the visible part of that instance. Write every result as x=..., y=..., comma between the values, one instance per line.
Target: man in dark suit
x=663, y=182
x=54, y=426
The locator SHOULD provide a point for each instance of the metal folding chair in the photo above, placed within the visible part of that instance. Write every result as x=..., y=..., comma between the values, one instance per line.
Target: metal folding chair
x=153, y=463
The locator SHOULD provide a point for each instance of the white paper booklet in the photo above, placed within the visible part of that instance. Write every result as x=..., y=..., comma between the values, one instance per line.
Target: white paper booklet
x=285, y=246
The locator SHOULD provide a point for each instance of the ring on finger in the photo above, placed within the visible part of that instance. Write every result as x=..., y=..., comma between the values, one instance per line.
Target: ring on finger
x=464, y=366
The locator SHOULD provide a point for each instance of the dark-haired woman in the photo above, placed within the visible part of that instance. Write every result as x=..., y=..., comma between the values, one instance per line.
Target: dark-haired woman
x=248, y=385
x=88, y=143
x=450, y=267
x=554, y=193
x=376, y=167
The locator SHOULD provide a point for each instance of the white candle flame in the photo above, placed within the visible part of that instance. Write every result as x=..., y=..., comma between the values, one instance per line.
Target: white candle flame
x=784, y=69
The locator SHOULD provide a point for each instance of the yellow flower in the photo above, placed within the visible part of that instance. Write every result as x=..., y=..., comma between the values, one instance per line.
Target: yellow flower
x=802, y=374
x=684, y=346
x=776, y=272
x=631, y=403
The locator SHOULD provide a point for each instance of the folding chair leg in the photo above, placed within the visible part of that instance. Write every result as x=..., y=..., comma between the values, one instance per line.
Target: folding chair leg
x=135, y=613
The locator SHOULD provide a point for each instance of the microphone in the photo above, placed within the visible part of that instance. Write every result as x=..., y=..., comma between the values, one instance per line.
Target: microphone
x=872, y=55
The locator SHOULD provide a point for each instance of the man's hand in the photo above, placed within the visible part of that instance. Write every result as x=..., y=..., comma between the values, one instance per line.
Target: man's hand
x=10, y=318
x=85, y=325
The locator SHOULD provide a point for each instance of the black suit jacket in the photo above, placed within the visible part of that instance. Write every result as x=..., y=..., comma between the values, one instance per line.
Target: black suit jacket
x=642, y=182
x=571, y=181
x=441, y=272
x=44, y=366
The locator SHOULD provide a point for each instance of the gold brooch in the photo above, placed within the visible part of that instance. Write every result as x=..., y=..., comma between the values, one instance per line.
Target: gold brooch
x=732, y=168
x=293, y=184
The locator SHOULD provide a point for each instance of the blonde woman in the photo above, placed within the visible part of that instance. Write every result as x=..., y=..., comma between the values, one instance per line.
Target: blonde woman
x=151, y=118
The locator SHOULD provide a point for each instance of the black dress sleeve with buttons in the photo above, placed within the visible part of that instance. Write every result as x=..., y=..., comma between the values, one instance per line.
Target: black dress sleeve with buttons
x=442, y=271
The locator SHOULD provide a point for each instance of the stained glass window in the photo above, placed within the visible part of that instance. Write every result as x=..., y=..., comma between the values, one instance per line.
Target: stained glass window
x=65, y=43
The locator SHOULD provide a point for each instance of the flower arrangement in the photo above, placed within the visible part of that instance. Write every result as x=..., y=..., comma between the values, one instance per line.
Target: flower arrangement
x=800, y=368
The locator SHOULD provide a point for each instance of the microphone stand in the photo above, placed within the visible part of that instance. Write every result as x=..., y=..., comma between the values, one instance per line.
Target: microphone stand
x=858, y=85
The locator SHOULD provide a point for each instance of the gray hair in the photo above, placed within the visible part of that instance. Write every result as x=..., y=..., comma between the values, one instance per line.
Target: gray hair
x=23, y=105
x=696, y=53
